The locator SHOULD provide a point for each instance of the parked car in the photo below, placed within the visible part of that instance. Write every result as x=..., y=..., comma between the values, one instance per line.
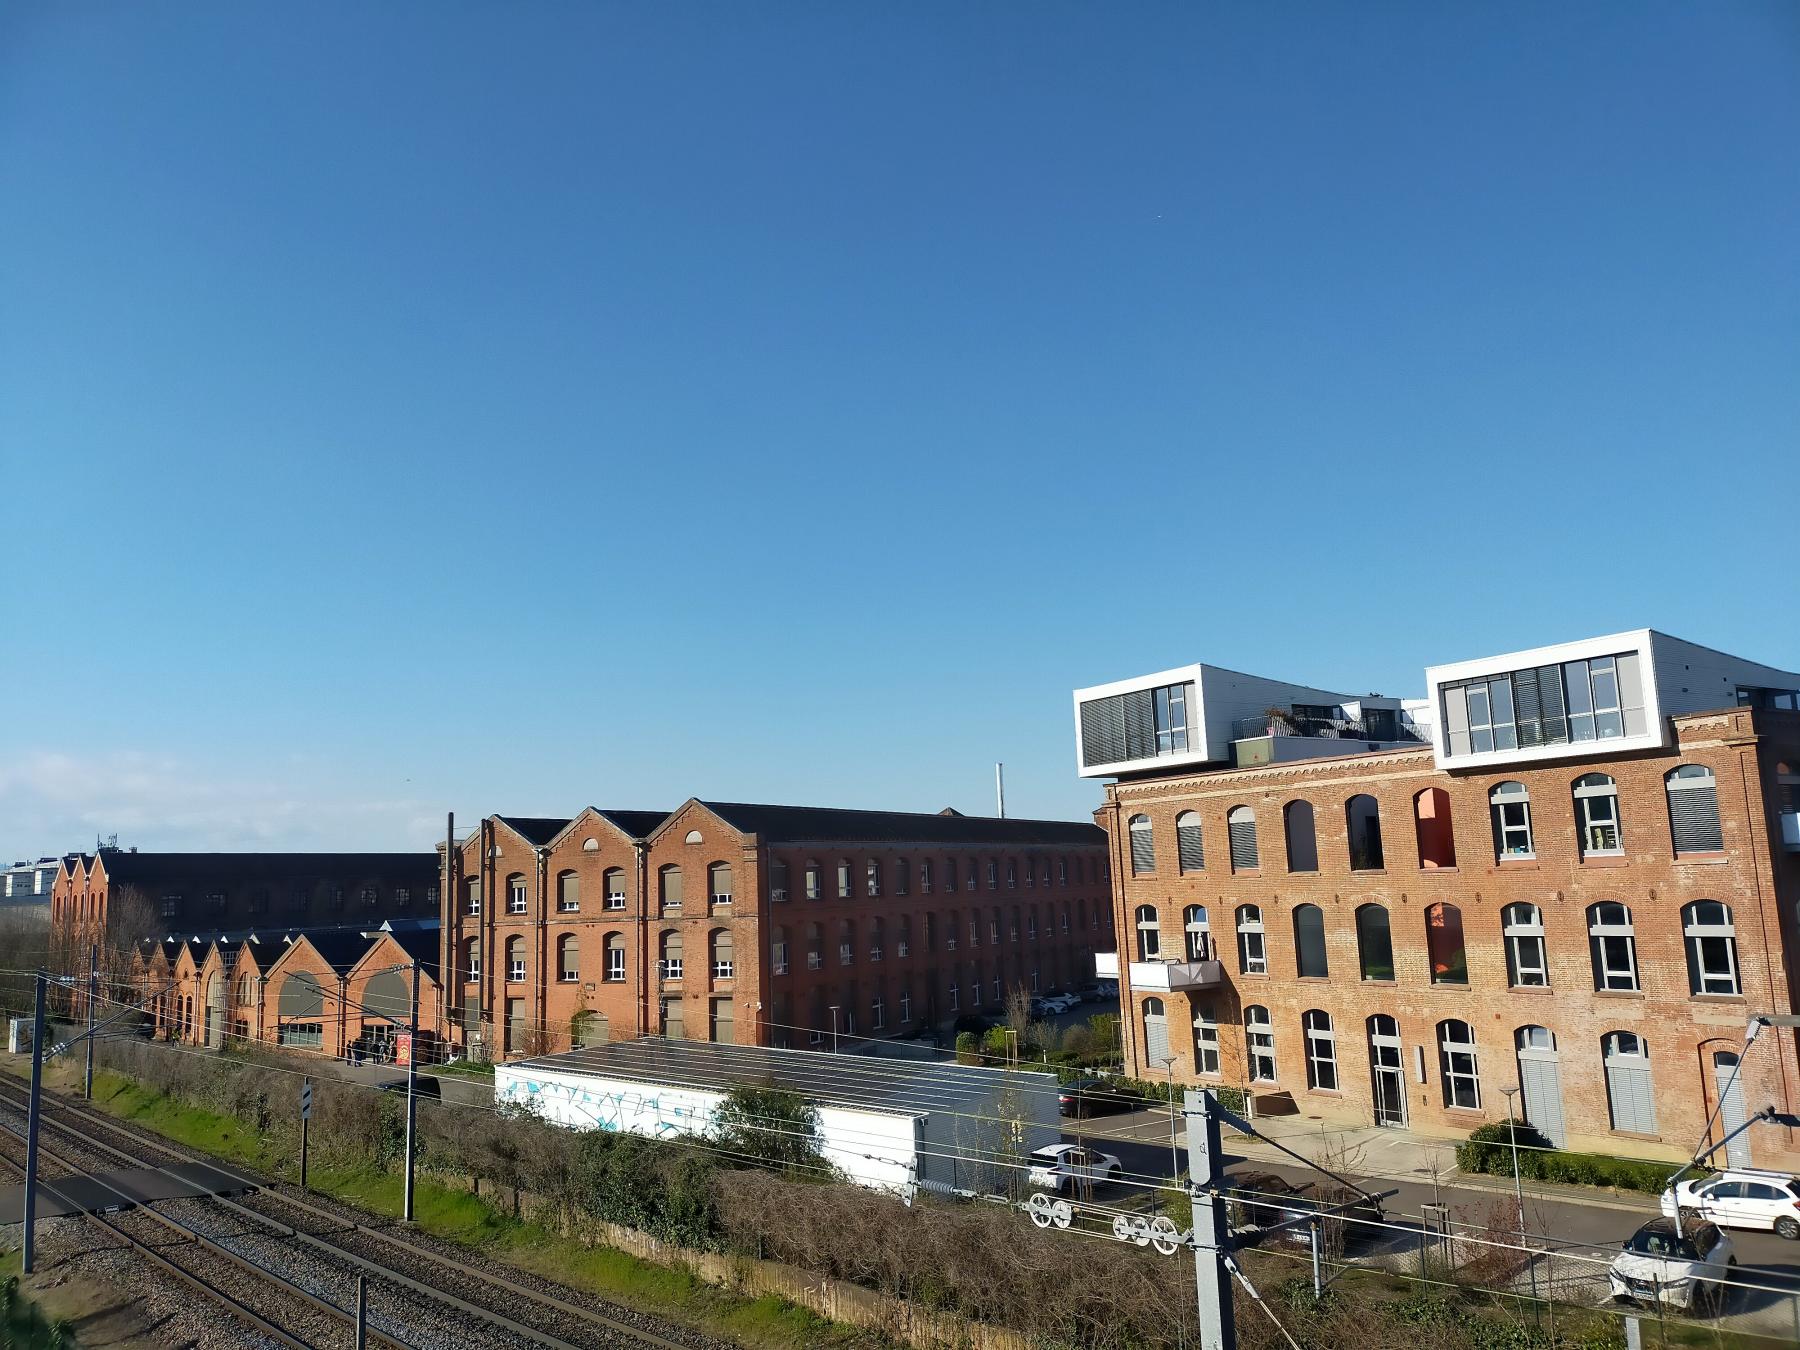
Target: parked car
x=1107, y=989
x=1065, y=1167
x=1088, y=993
x=1057, y=1003
x=1264, y=1199
x=1096, y=1096
x=1686, y=1270
x=1740, y=1197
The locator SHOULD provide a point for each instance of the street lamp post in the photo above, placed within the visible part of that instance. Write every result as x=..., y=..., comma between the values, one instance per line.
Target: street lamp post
x=1512, y=1134
x=412, y=1101
x=834, y=1013
x=31, y=1132
x=1174, y=1154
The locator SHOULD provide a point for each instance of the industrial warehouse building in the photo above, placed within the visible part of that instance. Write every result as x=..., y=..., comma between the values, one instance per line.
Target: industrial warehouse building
x=760, y=925
x=894, y=1124
x=1574, y=869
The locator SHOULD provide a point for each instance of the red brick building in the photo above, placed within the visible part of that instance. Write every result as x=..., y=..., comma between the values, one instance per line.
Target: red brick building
x=743, y=923
x=1393, y=935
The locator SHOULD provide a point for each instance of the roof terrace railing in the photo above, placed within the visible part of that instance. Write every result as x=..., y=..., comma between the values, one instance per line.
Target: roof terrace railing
x=1327, y=728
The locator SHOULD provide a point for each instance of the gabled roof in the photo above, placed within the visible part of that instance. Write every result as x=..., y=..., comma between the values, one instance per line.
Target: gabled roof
x=637, y=824
x=535, y=829
x=823, y=824
x=339, y=950
x=162, y=868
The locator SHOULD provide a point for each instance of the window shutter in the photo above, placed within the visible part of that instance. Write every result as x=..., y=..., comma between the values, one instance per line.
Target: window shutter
x=1694, y=819
x=1143, y=851
x=1140, y=723
x=1103, y=731
x=1243, y=841
x=1629, y=1091
x=1528, y=708
x=1191, y=848
x=1156, y=1039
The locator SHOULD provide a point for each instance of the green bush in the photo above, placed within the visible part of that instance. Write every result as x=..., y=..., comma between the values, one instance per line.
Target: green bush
x=968, y=1047
x=1489, y=1150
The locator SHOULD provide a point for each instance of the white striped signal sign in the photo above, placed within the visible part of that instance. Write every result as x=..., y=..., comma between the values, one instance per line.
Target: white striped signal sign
x=306, y=1101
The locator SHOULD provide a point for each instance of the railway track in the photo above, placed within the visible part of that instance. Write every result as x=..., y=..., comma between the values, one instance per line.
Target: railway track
x=414, y=1281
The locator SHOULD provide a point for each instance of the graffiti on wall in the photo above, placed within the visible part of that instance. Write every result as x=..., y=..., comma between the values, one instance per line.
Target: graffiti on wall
x=631, y=1110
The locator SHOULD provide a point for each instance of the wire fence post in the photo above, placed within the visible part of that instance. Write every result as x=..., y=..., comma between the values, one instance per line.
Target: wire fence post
x=412, y=1103
x=87, y=1082
x=1318, y=1274
x=31, y=1133
x=362, y=1312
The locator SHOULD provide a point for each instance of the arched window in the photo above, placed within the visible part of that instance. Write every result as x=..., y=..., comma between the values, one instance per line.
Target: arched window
x=1362, y=821
x=718, y=883
x=815, y=946
x=1205, y=1039
x=877, y=938
x=1444, y=944
x=668, y=888
x=1309, y=943
x=1522, y=929
x=927, y=878
x=472, y=960
x=1431, y=823
x=1374, y=943
x=902, y=877
x=1711, y=948
x=1259, y=1041
x=812, y=879
x=515, y=960
x=1509, y=806
x=568, y=893
x=1693, y=809
x=1193, y=923
x=846, y=879
x=1459, y=1066
x=778, y=950
x=846, y=942
x=1630, y=1090
x=671, y=954
x=614, y=883
x=515, y=893
x=903, y=938
x=1613, y=945
x=615, y=958
x=568, y=958
x=724, y=964
x=1143, y=846
x=1156, y=1034
x=778, y=879
x=1302, y=837
x=1149, y=936
x=1190, y=848
x=1321, y=1051
x=1241, y=826
x=872, y=877
x=1253, y=953
x=1597, y=816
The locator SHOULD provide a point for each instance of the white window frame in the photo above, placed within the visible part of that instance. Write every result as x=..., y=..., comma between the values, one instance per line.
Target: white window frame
x=1602, y=934
x=905, y=1006
x=1459, y=1076
x=1195, y=927
x=516, y=897
x=1321, y=1050
x=1522, y=928
x=1253, y=942
x=1259, y=1043
x=1502, y=803
x=615, y=964
x=1697, y=935
x=1149, y=931
x=1589, y=819
x=1206, y=1042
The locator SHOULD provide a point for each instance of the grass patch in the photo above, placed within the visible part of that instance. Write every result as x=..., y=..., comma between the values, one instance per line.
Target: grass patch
x=22, y=1323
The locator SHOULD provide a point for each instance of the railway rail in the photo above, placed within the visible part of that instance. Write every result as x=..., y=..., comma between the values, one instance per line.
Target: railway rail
x=402, y=1267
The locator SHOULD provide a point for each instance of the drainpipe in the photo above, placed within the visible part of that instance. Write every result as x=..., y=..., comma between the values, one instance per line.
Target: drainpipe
x=541, y=995
x=490, y=1015
x=640, y=851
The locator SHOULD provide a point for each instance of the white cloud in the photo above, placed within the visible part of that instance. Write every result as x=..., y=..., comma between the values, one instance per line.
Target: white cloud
x=53, y=802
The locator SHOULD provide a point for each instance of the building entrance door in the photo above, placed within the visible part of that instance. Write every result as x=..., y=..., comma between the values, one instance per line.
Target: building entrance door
x=1731, y=1106
x=1388, y=1070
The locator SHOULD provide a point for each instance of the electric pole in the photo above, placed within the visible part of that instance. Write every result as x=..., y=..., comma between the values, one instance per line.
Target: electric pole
x=1212, y=1243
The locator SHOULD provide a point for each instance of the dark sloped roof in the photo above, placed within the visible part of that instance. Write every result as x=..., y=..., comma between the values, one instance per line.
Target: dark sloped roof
x=341, y=950
x=421, y=946
x=807, y=824
x=157, y=868
x=537, y=829
x=637, y=824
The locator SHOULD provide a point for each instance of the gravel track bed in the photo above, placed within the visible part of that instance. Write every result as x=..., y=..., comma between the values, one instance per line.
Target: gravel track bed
x=400, y=1312
x=69, y=1249
x=428, y=1253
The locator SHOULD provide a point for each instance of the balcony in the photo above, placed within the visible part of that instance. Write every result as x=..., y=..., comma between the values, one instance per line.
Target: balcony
x=1172, y=977
x=1378, y=727
x=1106, y=965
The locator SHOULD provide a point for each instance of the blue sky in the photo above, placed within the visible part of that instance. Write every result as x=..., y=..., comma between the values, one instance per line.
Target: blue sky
x=508, y=408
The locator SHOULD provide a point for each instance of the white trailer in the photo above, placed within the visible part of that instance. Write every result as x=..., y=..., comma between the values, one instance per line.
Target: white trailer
x=886, y=1123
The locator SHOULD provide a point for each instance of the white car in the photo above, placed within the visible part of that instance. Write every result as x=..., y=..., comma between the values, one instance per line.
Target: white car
x=1061, y=1002
x=1067, y=1167
x=1741, y=1198
x=1689, y=1271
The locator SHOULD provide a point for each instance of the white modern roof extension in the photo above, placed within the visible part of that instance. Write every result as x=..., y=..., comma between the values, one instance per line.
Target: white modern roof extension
x=1600, y=695
x=1192, y=715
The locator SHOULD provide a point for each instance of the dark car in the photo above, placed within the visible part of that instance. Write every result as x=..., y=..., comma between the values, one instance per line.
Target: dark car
x=1095, y=1096
x=422, y=1087
x=1265, y=1199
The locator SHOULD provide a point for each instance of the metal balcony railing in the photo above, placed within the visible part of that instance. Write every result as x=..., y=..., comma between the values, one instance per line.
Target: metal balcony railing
x=1328, y=728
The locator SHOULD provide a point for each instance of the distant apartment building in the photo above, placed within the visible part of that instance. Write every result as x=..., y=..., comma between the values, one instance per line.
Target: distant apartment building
x=760, y=925
x=1574, y=870
x=25, y=887
x=207, y=894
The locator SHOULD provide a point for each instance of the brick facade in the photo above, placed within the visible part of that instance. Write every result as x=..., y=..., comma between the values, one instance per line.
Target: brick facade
x=787, y=951
x=1753, y=874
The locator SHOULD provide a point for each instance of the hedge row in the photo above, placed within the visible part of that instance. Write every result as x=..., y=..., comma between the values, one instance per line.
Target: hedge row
x=1489, y=1150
